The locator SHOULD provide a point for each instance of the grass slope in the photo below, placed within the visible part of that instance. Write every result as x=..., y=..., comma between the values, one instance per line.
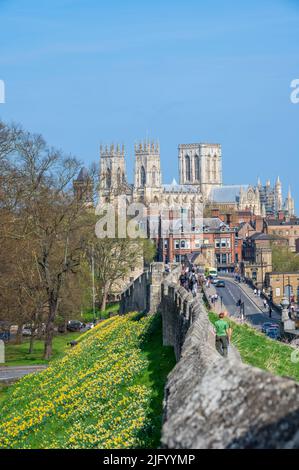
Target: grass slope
x=105, y=393
x=262, y=352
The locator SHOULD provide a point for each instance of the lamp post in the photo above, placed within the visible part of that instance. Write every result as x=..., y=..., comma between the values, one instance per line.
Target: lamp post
x=93, y=285
x=285, y=312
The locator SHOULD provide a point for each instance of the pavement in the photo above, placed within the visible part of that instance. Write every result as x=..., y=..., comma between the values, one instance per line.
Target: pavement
x=12, y=373
x=255, y=313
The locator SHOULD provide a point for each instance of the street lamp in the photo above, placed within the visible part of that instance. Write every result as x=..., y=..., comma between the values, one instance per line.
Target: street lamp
x=285, y=312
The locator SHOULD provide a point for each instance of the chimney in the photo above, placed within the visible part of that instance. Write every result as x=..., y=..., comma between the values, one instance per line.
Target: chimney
x=259, y=224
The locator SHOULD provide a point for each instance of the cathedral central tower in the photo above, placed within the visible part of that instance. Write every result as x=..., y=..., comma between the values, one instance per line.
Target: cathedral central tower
x=201, y=164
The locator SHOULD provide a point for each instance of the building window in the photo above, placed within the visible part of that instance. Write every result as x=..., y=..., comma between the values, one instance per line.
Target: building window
x=108, y=178
x=288, y=291
x=197, y=171
x=142, y=177
x=215, y=169
x=277, y=292
x=177, y=258
x=177, y=244
x=188, y=168
x=223, y=242
x=119, y=178
x=154, y=176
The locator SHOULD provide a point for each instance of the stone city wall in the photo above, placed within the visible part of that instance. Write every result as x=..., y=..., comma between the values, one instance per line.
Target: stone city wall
x=212, y=402
x=144, y=294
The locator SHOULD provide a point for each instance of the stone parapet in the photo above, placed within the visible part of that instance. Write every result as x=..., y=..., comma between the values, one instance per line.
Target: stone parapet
x=214, y=403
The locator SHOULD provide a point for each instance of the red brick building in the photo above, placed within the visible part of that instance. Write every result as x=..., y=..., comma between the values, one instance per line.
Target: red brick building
x=215, y=233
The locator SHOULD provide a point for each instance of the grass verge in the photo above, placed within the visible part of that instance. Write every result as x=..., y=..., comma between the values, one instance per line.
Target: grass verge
x=17, y=354
x=262, y=352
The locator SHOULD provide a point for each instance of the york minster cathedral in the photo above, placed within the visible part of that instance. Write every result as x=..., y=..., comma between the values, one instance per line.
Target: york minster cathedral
x=200, y=180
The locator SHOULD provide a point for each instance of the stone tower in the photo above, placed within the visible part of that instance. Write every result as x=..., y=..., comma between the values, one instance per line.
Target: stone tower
x=290, y=205
x=147, y=180
x=112, y=171
x=83, y=188
x=201, y=164
x=278, y=195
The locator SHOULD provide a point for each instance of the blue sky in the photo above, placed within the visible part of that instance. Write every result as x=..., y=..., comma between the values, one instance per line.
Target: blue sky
x=85, y=72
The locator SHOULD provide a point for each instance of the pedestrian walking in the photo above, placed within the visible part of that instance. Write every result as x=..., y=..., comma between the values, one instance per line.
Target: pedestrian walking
x=223, y=335
x=182, y=279
x=255, y=291
x=193, y=283
x=270, y=312
x=265, y=304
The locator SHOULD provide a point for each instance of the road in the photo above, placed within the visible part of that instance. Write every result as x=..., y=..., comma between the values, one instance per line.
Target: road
x=12, y=373
x=232, y=293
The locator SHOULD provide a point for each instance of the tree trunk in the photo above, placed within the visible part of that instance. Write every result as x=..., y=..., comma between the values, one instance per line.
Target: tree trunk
x=104, y=300
x=49, y=333
x=19, y=336
x=32, y=338
x=48, y=345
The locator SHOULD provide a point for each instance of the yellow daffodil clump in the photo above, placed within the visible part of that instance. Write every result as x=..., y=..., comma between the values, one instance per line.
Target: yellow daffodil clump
x=88, y=399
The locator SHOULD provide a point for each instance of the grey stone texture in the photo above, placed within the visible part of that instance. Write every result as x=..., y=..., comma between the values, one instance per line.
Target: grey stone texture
x=215, y=403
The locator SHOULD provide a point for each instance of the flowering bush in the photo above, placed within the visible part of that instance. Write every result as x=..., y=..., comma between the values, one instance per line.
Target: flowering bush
x=88, y=399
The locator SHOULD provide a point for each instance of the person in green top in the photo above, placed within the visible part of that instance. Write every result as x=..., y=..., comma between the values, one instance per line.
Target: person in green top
x=223, y=334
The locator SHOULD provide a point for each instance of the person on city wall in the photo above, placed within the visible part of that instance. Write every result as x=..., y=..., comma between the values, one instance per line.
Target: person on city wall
x=223, y=334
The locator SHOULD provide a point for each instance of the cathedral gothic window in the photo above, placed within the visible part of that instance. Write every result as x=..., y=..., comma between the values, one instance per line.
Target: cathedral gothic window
x=197, y=175
x=208, y=168
x=154, y=176
x=188, y=168
x=108, y=178
x=119, y=179
x=142, y=177
x=215, y=168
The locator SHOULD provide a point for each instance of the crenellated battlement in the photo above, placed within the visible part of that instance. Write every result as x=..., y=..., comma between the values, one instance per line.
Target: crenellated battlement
x=146, y=148
x=112, y=150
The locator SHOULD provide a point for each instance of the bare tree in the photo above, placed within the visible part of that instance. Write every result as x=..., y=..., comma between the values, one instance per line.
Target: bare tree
x=38, y=206
x=114, y=259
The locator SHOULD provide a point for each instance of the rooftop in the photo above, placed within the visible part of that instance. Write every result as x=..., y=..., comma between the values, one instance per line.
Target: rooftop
x=83, y=174
x=227, y=193
x=278, y=222
x=265, y=236
x=174, y=187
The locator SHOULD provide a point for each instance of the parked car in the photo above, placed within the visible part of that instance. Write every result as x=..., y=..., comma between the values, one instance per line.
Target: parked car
x=74, y=325
x=273, y=333
x=268, y=325
x=26, y=331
